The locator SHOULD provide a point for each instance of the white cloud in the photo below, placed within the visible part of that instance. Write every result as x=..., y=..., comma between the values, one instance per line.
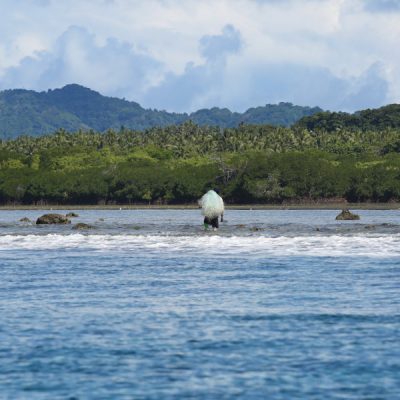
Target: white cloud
x=339, y=54
x=114, y=68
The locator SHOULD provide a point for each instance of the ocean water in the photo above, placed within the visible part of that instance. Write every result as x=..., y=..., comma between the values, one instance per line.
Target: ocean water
x=146, y=305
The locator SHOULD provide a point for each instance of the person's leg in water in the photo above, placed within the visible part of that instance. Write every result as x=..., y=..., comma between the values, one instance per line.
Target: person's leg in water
x=214, y=223
x=206, y=223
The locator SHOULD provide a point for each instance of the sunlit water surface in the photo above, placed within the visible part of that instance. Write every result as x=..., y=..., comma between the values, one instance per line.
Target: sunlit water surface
x=146, y=305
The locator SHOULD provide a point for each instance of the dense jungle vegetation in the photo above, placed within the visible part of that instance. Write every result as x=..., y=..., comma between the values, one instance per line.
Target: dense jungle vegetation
x=176, y=164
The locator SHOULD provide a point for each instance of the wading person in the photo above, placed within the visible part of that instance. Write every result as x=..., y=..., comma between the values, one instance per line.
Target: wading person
x=212, y=207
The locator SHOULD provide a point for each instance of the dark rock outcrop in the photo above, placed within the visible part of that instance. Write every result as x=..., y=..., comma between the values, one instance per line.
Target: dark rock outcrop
x=369, y=226
x=25, y=219
x=53, y=219
x=72, y=215
x=346, y=215
x=82, y=226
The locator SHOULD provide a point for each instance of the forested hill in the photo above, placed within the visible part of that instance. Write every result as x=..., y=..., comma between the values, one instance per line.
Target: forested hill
x=26, y=112
x=370, y=119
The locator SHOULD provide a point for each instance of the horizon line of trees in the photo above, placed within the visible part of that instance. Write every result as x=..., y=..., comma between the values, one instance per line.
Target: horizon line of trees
x=177, y=164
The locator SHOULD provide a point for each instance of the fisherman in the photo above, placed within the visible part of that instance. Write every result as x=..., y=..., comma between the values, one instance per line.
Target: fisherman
x=212, y=208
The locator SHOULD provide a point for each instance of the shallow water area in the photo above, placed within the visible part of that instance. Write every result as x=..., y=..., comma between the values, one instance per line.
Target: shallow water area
x=146, y=304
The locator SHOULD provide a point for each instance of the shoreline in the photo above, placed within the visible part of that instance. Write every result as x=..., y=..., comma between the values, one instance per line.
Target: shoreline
x=300, y=206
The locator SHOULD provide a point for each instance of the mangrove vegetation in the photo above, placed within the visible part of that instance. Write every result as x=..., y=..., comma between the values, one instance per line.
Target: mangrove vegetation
x=178, y=163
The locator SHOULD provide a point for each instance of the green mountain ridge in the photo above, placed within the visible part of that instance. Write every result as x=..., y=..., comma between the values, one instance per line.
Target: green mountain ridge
x=74, y=107
x=385, y=117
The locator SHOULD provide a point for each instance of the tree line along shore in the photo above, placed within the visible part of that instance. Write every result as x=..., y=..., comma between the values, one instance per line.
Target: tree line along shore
x=309, y=163
x=195, y=206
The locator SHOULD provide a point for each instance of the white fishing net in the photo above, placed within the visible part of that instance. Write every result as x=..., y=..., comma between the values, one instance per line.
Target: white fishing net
x=212, y=204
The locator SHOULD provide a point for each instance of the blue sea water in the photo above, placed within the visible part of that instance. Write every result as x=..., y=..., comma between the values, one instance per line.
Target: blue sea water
x=146, y=305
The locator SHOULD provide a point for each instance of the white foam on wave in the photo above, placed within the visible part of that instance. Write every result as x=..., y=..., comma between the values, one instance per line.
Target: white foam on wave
x=215, y=245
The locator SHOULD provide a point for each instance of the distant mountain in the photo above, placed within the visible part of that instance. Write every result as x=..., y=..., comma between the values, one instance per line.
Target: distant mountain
x=75, y=107
x=370, y=119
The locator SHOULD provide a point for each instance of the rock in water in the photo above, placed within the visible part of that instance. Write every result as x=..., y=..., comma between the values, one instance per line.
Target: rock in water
x=82, y=226
x=212, y=205
x=72, y=215
x=25, y=219
x=346, y=215
x=53, y=219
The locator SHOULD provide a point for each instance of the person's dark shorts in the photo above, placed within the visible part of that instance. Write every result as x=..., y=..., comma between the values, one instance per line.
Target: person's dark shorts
x=212, y=221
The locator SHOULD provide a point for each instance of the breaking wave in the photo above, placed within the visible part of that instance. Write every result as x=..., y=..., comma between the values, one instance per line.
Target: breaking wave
x=253, y=246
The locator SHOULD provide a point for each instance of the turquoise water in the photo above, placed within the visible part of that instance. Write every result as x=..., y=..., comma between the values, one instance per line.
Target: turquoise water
x=275, y=305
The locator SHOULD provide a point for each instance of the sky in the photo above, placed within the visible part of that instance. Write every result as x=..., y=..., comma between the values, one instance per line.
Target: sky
x=184, y=55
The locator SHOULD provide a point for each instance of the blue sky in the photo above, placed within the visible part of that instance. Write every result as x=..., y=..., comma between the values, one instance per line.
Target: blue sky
x=190, y=54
